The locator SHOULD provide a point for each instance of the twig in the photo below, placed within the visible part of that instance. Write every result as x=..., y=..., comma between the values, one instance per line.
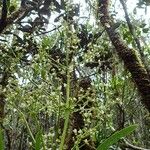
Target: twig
x=133, y=147
x=48, y=31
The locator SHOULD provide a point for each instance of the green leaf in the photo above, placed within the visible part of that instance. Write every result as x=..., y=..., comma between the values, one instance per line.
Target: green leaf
x=116, y=137
x=38, y=141
x=145, y=30
x=142, y=25
x=43, y=73
x=1, y=140
x=12, y=8
x=8, y=3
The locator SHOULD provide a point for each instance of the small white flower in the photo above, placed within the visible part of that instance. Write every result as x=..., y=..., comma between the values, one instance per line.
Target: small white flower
x=107, y=25
x=80, y=131
x=86, y=141
x=75, y=131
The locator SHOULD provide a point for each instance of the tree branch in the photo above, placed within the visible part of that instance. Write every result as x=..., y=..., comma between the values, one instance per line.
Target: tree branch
x=14, y=16
x=126, y=144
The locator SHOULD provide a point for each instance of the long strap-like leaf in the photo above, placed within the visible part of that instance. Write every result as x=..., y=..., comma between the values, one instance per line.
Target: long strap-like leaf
x=116, y=137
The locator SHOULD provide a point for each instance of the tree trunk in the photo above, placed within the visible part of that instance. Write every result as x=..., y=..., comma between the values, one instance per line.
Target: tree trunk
x=129, y=56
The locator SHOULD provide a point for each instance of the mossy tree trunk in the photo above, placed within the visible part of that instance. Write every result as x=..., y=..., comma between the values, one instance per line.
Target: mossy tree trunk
x=129, y=56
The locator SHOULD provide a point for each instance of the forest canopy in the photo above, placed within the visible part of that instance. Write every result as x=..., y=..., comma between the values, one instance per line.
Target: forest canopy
x=74, y=75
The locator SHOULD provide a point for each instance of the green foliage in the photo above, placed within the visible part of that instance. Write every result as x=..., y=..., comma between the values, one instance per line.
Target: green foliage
x=38, y=141
x=145, y=30
x=116, y=137
x=63, y=81
x=1, y=140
